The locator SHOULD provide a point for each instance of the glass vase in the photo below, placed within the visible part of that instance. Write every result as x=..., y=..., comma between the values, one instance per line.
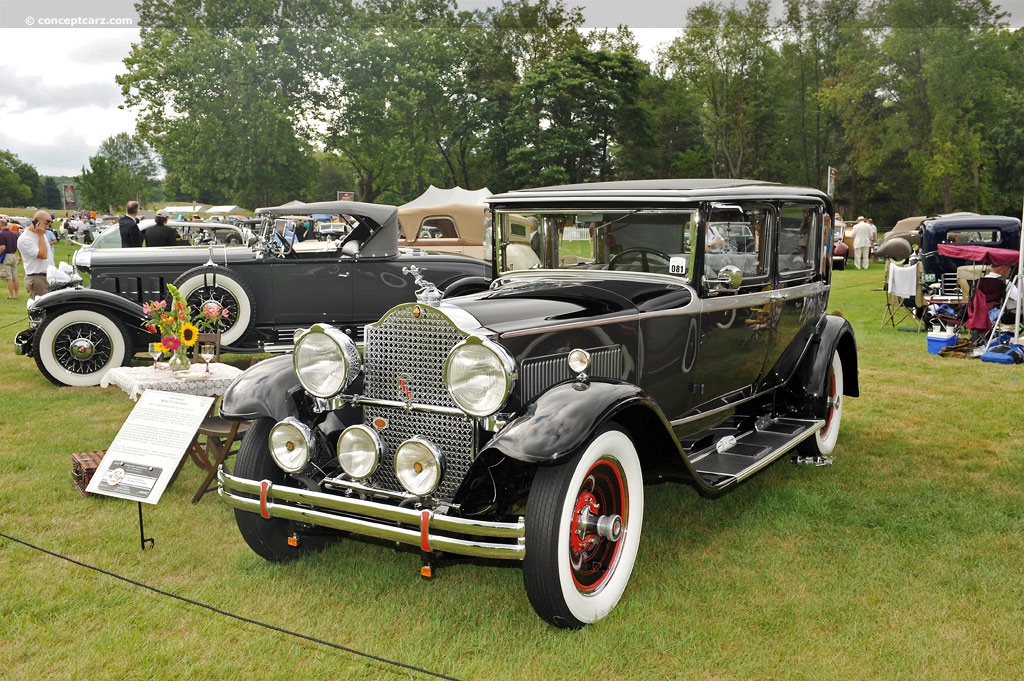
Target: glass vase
x=179, y=360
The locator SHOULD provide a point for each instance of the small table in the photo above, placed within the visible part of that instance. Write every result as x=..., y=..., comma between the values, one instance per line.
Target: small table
x=137, y=380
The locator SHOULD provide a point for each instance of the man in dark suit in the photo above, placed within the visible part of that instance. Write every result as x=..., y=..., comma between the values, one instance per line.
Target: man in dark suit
x=129, y=226
x=161, y=234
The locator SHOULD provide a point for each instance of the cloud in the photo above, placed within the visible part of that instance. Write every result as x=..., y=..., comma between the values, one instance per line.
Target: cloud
x=27, y=95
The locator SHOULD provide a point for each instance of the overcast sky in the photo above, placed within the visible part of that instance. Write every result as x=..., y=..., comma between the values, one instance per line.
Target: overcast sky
x=59, y=101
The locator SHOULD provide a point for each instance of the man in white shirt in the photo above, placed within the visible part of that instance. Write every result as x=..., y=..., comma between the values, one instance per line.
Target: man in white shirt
x=861, y=243
x=36, y=255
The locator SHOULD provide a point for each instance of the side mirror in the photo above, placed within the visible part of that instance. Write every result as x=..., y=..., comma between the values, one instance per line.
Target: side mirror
x=729, y=280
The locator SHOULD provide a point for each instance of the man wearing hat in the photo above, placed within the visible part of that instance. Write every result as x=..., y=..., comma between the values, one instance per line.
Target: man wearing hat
x=161, y=234
x=861, y=233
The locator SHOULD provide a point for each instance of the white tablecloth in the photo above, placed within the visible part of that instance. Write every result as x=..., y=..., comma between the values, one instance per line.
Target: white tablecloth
x=136, y=380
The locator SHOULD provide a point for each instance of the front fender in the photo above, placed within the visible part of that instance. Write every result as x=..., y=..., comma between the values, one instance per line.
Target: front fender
x=263, y=390
x=562, y=419
x=128, y=310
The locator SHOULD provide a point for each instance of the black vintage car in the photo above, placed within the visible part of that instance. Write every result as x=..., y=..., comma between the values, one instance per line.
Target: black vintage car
x=961, y=229
x=270, y=288
x=522, y=422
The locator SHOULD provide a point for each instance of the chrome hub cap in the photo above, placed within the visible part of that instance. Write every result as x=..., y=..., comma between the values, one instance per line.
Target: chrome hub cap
x=81, y=349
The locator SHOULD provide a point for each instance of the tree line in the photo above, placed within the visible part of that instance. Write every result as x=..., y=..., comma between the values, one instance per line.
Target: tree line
x=919, y=106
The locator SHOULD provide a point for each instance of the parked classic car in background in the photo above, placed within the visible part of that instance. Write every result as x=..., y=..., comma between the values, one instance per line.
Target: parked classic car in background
x=270, y=289
x=522, y=422
x=192, y=233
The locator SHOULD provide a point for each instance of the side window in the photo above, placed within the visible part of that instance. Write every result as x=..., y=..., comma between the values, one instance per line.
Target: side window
x=799, y=238
x=438, y=228
x=736, y=235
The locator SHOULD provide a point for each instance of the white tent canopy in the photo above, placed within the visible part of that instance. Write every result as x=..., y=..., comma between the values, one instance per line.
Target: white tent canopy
x=437, y=197
x=291, y=204
x=222, y=210
x=183, y=209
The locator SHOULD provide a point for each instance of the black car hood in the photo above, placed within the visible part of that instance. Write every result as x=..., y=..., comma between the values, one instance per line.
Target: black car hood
x=539, y=302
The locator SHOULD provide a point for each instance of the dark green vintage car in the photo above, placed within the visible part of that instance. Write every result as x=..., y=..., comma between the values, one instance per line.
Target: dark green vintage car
x=612, y=349
x=271, y=288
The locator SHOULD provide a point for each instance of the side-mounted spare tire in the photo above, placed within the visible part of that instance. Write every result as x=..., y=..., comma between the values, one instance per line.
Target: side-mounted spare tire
x=225, y=287
x=76, y=346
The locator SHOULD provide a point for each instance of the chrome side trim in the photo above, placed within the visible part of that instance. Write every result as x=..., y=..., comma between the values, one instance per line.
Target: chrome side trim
x=415, y=527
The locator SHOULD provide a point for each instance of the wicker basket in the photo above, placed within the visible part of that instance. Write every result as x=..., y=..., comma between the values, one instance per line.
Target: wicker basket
x=83, y=466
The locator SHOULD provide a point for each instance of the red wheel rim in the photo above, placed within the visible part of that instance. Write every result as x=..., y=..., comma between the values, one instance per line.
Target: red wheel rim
x=592, y=557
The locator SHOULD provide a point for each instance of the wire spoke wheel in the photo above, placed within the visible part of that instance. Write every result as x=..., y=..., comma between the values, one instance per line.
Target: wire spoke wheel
x=82, y=348
x=225, y=287
x=77, y=346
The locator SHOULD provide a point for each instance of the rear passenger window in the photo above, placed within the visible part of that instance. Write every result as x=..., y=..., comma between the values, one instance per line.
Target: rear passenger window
x=799, y=238
x=438, y=228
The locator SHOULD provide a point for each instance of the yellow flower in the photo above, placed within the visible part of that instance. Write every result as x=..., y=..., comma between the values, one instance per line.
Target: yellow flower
x=159, y=347
x=189, y=334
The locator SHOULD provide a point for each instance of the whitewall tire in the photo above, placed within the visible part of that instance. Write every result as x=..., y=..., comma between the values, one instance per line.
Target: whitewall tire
x=576, y=569
x=76, y=347
x=215, y=284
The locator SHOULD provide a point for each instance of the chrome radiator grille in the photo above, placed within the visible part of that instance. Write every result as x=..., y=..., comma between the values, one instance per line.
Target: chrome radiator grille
x=403, y=360
x=541, y=373
x=404, y=356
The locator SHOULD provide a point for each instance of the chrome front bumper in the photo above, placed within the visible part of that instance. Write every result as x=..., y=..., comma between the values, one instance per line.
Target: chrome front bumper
x=415, y=527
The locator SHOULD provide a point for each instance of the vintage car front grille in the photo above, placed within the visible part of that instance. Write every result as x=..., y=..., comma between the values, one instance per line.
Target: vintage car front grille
x=540, y=373
x=403, y=361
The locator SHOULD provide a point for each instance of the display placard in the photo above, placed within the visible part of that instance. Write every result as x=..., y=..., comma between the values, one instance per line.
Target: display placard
x=142, y=458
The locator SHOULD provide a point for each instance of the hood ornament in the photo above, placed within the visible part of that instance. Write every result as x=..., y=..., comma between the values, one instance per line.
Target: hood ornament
x=427, y=293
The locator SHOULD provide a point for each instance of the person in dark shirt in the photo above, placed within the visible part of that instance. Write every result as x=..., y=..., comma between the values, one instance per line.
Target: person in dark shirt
x=129, y=226
x=161, y=234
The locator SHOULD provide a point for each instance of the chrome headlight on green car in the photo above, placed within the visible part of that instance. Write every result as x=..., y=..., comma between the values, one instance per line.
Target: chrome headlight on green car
x=325, y=360
x=479, y=376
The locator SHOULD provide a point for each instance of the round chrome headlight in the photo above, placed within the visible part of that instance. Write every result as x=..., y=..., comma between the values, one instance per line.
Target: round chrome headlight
x=419, y=466
x=325, y=360
x=359, y=450
x=290, y=444
x=479, y=376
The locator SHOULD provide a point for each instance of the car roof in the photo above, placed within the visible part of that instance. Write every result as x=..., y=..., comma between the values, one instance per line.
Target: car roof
x=969, y=220
x=669, y=190
x=379, y=213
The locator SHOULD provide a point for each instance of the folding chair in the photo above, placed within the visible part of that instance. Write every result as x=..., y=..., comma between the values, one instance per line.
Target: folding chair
x=986, y=296
x=904, y=296
x=221, y=434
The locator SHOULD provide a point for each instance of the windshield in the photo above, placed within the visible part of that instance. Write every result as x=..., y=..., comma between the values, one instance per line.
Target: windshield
x=646, y=241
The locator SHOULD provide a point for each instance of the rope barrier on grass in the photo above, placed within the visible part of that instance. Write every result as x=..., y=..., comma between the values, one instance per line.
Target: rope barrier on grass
x=240, y=618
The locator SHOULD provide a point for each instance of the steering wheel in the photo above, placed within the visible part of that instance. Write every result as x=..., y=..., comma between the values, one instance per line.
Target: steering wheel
x=643, y=255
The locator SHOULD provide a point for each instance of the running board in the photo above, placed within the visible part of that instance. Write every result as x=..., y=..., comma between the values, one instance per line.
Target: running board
x=738, y=447
x=278, y=348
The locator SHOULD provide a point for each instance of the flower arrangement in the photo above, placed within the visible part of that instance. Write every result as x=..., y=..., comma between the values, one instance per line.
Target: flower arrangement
x=172, y=324
x=211, y=316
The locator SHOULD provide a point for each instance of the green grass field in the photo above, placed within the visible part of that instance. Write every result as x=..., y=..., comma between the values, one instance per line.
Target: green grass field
x=899, y=561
